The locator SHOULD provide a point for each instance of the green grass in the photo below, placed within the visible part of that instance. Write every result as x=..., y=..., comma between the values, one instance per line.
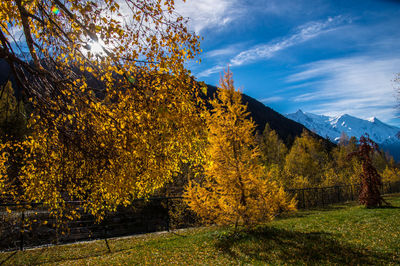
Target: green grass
x=340, y=234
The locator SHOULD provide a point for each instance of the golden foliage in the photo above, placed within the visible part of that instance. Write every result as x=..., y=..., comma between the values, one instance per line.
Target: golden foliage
x=390, y=174
x=134, y=150
x=235, y=189
x=108, y=126
x=343, y=170
x=273, y=153
x=272, y=148
x=3, y=169
x=305, y=163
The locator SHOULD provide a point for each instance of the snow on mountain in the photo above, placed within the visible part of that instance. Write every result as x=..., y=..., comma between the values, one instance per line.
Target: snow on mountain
x=333, y=127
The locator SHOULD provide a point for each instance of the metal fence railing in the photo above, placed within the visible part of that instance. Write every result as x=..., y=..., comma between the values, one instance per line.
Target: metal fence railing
x=321, y=196
x=31, y=225
x=28, y=226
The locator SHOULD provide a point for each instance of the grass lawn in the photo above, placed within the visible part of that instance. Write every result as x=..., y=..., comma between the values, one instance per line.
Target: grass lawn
x=340, y=234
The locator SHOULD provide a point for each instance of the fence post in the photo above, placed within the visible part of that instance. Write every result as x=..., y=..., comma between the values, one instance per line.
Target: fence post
x=22, y=229
x=57, y=240
x=322, y=197
x=105, y=238
x=168, y=221
x=338, y=193
x=352, y=192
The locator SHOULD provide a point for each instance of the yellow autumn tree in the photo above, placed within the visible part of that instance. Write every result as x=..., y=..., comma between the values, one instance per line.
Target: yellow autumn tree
x=305, y=163
x=235, y=189
x=390, y=175
x=272, y=147
x=273, y=152
x=3, y=170
x=343, y=170
x=115, y=112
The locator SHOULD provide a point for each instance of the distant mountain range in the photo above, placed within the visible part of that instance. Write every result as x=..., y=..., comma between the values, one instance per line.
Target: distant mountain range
x=332, y=127
x=287, y=129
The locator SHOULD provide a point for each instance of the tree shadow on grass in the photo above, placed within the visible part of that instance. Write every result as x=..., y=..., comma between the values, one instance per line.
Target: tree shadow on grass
x=38, y=256
x=310, y=211
x=277, y=246
x=8, y=257
x=383, y=207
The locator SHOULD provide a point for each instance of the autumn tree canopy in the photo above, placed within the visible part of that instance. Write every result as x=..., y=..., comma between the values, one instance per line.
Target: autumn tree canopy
x=273, y=149
x=343, y=170
x=235, y=189
x=115, y=110
x=306, y=162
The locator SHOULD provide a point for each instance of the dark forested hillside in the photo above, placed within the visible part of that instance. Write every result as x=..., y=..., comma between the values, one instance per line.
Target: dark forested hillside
x=287, y=129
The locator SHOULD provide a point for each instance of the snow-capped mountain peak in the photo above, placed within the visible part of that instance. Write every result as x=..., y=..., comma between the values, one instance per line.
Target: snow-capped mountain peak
x=332, y=127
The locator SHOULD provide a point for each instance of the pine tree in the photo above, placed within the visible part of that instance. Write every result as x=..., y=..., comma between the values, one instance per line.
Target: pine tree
x=235, y=189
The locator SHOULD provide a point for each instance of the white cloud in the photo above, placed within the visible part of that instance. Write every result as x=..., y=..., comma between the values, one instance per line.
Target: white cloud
x=210, y=71
x=265, y=51
x=214, y=14
x=229, y=50
x=271, y=99
x=204, y=14
x=361, y=86
x=303, y=33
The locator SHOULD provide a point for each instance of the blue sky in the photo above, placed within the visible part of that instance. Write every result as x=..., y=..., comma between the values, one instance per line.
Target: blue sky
x=325, y=57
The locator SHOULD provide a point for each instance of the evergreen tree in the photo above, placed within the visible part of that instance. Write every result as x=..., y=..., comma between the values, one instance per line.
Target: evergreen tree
x=235, y=189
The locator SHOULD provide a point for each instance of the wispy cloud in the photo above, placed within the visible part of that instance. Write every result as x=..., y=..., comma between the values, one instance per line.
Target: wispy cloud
x=361, y=86
x=271, y=99
x=208, y=13
x=228, y=50
x=303, y=33
x=265, y=51
x=210, y=71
